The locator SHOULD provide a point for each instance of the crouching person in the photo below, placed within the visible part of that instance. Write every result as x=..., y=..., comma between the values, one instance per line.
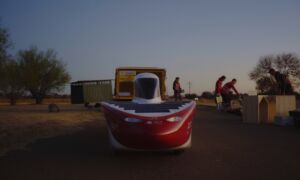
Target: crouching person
x=226, y=91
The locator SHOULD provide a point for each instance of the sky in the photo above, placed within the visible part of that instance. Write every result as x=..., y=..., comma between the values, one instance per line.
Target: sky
x=196, y=40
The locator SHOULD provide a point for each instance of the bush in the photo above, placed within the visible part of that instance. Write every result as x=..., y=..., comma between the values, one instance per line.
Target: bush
x=207, y=95
x=191, y=96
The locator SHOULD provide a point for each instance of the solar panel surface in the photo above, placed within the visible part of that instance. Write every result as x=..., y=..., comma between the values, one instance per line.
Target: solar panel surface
x=149, y=108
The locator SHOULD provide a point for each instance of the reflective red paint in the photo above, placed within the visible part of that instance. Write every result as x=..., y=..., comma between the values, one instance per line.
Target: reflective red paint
x=151, y=132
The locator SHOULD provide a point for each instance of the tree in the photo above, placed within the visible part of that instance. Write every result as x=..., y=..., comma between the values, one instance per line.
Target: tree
x=12, y=86
x=286, y=63
x=265, y=86
x=207, y=95
x=8, y=86
x=5, y=43
x=43, y=73
x=191, y=96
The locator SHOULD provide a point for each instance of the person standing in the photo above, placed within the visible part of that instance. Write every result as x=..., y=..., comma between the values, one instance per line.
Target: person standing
x=177, y=89
x=284, y=85
x=226, y=91
x=218, y=89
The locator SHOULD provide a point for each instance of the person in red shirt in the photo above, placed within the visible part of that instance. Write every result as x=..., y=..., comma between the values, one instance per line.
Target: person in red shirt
x=218, y=90
x=226, y=90
x=177, y=89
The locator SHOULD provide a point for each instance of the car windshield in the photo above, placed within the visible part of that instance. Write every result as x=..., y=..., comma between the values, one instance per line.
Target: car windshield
x=146, y=88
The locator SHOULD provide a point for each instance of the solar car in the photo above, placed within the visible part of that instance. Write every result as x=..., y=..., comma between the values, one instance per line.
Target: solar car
x=147, y=122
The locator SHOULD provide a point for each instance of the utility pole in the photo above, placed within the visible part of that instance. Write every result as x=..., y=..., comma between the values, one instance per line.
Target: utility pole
x=190, y=85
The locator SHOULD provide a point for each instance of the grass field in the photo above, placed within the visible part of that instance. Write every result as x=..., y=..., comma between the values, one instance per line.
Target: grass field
x=5, y=101
x=23, y=124
x=26, y=122
x=206, y=102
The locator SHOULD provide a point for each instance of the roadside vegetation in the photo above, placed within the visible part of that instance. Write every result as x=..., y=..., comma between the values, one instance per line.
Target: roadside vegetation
x=30, y=71
x=286, y=63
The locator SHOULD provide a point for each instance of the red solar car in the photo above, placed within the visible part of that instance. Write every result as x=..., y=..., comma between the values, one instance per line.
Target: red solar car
x=147, y=122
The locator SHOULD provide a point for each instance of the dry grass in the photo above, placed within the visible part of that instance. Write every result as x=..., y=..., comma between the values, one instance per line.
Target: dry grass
x=206, y=102
x=23, y=124
x=22, y=101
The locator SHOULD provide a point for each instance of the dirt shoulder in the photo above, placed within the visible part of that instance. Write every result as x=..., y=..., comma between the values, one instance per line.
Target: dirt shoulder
x=24, y=124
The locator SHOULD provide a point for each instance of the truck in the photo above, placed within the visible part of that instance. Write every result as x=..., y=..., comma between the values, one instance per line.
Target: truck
x=124, y=81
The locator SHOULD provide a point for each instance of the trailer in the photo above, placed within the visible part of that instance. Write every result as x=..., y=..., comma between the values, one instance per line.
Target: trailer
x=91, y=91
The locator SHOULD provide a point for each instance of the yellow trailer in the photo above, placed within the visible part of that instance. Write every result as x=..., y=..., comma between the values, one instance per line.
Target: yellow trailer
x=124, y=81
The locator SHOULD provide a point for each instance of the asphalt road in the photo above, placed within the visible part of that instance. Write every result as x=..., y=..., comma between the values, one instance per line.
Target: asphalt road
x=223, y=148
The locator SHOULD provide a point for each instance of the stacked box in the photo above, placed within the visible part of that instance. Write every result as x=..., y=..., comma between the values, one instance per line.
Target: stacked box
x=263, y=108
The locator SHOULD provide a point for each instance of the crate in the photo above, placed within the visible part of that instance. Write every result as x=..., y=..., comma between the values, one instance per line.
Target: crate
x=296, y=116
x=251, y=109
x=263, y=108
x=267, y=109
